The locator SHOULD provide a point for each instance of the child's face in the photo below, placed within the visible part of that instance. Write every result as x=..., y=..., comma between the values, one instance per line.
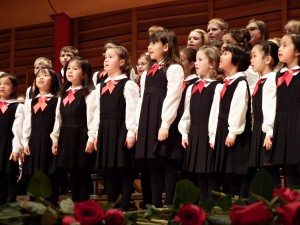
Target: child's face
x=227, y=39
x=257, y=61
x=74, y=73
x=225, y=61
x=156, y=50
x=202, y=64
x=43, y=81
x=6, y=88
x=287, y=52
x=65, y=57
x=214, y=32
x=186, y=64
x=39, y=66
x=112, y=62
x=142, y=65
x=194, y=40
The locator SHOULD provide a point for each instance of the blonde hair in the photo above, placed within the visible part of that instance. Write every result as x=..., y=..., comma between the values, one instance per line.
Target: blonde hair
x=213, y=54
x=71, y=49
x=45, y=61
x=203, y=34
x=295, y=25
x=222, y=24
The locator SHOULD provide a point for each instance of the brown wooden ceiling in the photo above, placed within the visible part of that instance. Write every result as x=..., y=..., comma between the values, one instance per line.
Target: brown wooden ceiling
x=18, y=13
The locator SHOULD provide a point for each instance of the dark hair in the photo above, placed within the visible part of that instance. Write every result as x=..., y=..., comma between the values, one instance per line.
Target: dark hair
x=241, y=36
x=87, y=82
x=262, y=26
x=54, y=88
x=71, y=49
x=240, y=56
x=296, y=41
x=269, y=48
x=14, y=81
x=172, y=55
x=123, y=54
x=190, y=55
x=114, y=42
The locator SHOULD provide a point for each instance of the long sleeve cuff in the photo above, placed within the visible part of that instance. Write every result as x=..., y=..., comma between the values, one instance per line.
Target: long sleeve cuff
x=212, y=139
x=130, y=134
x=185, y=136
x=270, y=133
x=91, y=139
x=232, y=135
x=165, y=125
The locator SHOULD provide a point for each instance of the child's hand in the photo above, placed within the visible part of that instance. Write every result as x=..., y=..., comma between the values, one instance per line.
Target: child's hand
x=268, y=143
x=229, y=142
x=130, y=142
x=27, y=150
x=163, y=134
x=54, y=149
x=185, y=143
x=89, y=147
x=14, y=156
x=95, y=144
x=212, y=145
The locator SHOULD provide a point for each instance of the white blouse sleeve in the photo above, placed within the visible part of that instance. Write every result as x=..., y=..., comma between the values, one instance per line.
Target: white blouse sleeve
x=95, y=76
x=57, y=124
x=131, y=94
x=175, y=76
x=214, y=114
x=26, y=132
x=17, y=129
x=238, y=110
x=140, y=101
x=96, y=116
x=269, y=104
x=184, y=123
x=91, y=106
x=27, y=97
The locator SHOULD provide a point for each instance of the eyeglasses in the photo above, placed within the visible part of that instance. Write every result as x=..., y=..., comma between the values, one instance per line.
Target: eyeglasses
x=252, y=28
x=141, y=64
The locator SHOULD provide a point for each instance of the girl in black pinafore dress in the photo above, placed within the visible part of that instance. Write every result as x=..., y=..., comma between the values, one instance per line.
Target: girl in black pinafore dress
x=194, y=125
x=161, y=90
x=118, y=97
x=286, y=137
x=38, y=124
x=233, y=134
x=73, y=134
x=11, y=120
x=264, y=59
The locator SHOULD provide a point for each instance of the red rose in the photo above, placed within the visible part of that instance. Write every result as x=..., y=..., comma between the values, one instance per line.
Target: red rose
x=252, y=214
x=290, y=213
x=114, y=217
x=67, y=220
x=88, y=212
x=287, y=194
x=190, y=215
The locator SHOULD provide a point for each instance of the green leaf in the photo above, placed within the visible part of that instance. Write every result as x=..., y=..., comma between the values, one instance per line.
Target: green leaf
x=186, y=192
x=6, y=213
x=49, y=217
x=225, y=202
x=150, y=212
x=33, y=207
x=219, y=220
x=67, y=206
x=39, y=186
x=261, y=185
x=131, y=218
x=207, y=204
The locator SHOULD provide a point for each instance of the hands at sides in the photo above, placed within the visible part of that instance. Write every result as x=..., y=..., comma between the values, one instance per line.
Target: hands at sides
x=27, y=150
x=268, y=143
x=54, y=149
x=14, y=156
x=96, y=144
x=212, y=145
x=130, y=142
x=184, y=143
x=89, y=147
x=229, y=142
x=163, y=134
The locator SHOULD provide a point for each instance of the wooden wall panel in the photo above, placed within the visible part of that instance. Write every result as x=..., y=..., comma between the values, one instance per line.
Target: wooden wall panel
x=130, y=27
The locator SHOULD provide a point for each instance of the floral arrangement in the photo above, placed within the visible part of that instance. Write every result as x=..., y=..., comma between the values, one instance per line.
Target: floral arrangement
x=265, y=205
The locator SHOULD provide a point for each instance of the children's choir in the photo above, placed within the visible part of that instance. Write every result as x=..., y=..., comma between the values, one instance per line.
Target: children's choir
x=206, y=113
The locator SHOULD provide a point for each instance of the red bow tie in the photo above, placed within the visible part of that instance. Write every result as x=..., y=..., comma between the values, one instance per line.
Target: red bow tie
x=102, y=74
x=70, y=98
x=257, y=85
x=225, y=88
x=287, y=77
x=153, y=69
x=3, y=106
x=41, y=104
x=110, y=85
x=184, y=85
x=199, y=87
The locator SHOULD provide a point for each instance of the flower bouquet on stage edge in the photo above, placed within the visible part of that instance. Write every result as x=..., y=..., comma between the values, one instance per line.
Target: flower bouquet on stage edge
x=265, y=205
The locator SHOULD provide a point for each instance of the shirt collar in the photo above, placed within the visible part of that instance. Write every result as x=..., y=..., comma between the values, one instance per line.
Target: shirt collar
x=9, y=101
x=267, y=75
x=235, y=76
x=119, y=77
x=49, y=95
x=285, y=69
x=191, y=77
x=62, y=71
x=77, y=88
